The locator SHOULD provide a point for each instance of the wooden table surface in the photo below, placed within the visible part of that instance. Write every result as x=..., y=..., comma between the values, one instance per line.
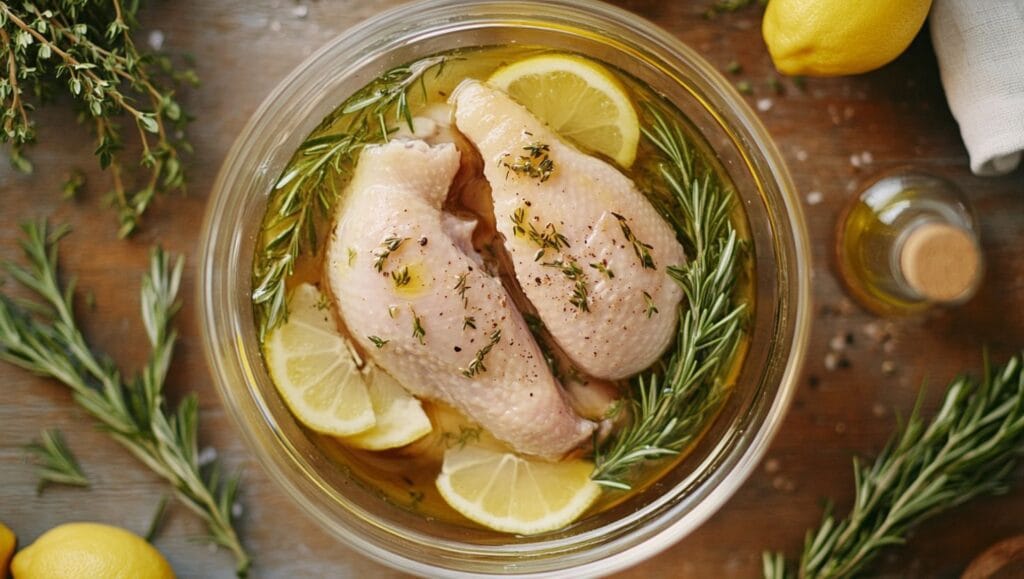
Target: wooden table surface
x=835, y=135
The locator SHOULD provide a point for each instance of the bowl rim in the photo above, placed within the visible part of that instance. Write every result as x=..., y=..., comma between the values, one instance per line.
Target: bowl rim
x=800, y=272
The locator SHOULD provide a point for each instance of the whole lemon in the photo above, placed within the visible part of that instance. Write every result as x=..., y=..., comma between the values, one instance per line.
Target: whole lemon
x=837, y=37
x=7, y=542
x=90, y=551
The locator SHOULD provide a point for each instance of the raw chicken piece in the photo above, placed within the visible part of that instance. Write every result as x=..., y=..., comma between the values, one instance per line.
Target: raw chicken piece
x=590, y=251
x=405, y=276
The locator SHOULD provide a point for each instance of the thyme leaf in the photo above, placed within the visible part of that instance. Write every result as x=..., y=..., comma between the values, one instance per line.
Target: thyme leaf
x=602, y=267
x=651, y=307
x=401, y=277
x=377, y=341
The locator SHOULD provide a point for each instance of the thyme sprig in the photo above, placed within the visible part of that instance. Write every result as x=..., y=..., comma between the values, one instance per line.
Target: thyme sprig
x=389, y=246
x=641, y=249
x=417, y=330
x=461, y=287
x=310, y=184
x=969, y=448
x=58, y=464
x=44, y=338
x=536, y=163
x=84, y=49
x=602, y=268
x=476, y=365
x=549, y=238
x=573, y=271
x=669, y=408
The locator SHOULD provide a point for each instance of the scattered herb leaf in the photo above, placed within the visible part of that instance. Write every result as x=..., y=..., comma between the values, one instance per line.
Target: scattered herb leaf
x=57, y=463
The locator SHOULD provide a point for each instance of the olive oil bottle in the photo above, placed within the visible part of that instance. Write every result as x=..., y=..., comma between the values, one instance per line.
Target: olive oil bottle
x=909, y=242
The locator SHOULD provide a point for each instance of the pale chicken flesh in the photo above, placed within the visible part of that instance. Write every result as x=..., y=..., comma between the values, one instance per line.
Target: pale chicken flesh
x=590, y=251
x=413, y=292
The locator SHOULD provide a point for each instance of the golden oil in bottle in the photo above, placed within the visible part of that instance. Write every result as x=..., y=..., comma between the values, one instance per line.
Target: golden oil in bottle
x=907, y=242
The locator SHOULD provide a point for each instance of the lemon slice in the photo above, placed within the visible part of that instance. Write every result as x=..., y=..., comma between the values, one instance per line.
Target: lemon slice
x=315, y=369
x=400, y=416
x=578, y=98
x=509, y=493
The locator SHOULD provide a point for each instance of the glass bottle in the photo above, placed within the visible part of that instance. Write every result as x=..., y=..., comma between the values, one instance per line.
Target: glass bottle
x=908, y=242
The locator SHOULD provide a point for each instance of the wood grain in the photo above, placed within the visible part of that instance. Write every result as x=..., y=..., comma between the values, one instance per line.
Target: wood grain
x=895, y=116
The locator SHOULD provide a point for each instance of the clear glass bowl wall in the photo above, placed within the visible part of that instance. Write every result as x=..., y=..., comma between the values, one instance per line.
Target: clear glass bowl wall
x=633, y=530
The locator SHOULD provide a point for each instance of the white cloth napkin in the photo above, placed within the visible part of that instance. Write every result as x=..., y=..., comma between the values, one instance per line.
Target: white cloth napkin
x=980, y=47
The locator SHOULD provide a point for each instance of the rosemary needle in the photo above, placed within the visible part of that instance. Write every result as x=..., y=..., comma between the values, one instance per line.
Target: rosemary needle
x=968, y=448
x=45, y=339
x=58, y=464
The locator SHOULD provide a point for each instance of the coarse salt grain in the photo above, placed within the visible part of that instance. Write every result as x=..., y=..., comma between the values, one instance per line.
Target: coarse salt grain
x=837, y=343
x=801, y=155
x=764, y=105
x=831, y=361
x=155, y=39
x=814, y=197
x=206, y=456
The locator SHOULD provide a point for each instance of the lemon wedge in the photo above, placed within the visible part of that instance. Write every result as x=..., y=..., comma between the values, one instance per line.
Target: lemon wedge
x=400, y=416
x=577, y=98
x=509, y=493
x=315, y=369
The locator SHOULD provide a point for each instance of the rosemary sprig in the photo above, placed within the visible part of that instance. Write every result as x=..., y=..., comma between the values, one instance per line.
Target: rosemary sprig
x=969, y=448
x=84, y=49
x=668, y=409
x=476, y=366
x=310, y=184
x=44, y=338
x=378, y=341
x=58, y=463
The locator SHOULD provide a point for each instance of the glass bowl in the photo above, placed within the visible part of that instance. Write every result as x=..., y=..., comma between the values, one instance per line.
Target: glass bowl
x=649, y=521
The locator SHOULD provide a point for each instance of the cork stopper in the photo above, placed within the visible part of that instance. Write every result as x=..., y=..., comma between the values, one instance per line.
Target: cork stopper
x=941, y=262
